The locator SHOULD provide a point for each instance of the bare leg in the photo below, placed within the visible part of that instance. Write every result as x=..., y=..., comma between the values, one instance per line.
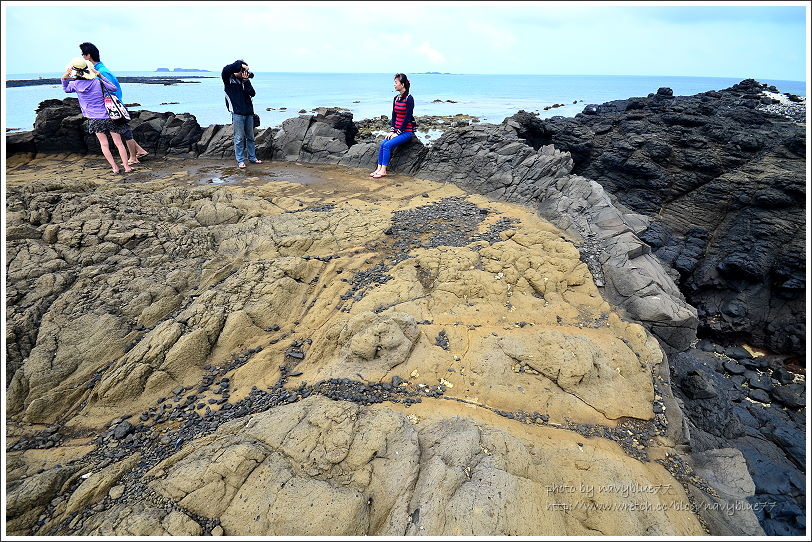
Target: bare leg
x=139, y=150
x=105, y=148
x=122, y=151
x=131, y=147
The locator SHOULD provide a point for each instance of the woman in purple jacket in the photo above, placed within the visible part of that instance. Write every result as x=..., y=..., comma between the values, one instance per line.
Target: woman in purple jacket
x=87, y=83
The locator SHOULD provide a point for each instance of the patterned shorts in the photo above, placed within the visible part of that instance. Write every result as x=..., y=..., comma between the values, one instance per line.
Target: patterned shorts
x=98, y=126
x=127, y=132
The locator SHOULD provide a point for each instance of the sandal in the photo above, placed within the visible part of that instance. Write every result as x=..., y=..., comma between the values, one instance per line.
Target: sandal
x=256, y=161
x=141, y=154
x=241, y=165
x=378, y=175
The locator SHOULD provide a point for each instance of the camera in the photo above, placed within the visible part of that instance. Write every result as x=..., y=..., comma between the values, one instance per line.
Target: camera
x=250, y=75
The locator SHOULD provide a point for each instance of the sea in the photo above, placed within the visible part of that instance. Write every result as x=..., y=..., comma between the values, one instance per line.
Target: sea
x=491, y=98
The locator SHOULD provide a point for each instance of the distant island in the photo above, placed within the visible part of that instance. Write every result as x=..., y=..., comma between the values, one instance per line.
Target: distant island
x=181, y=70
x=151, y=80
x=432, y=73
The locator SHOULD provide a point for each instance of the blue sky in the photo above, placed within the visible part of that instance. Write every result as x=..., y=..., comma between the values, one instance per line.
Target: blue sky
x=759, y=40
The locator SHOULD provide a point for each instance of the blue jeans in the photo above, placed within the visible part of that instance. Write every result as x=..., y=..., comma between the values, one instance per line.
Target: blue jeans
x=388, y=144
x=244, y=137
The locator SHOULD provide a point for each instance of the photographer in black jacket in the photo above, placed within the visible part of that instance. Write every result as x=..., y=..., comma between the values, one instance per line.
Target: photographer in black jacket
x=237, y=84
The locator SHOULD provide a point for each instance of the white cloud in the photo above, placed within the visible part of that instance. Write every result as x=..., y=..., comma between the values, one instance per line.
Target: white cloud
x=498, y=39
x=433, y=55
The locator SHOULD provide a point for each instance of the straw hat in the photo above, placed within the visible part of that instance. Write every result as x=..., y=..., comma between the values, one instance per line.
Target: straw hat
x=80, y=68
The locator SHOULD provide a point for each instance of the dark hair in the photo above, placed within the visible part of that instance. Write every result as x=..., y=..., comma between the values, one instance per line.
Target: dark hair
x=90, y=49
x=403, y=81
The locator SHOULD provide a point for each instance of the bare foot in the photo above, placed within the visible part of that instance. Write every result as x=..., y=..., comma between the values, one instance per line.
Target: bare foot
x=128, y=170
x=133, y=162
x=140, y=154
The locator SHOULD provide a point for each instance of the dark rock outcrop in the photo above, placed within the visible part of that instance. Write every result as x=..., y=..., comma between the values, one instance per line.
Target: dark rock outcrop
x=166, y=133
x=20, y=142
x=58, y=127
x=724, y=184
x=406, y=159
x=322, y=138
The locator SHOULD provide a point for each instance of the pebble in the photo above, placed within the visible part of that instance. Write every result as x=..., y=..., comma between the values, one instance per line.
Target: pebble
x=116, y=491
x=122, y=430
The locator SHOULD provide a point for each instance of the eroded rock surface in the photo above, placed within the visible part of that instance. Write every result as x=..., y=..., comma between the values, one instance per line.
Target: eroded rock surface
x=152, y=321
x=406, y=358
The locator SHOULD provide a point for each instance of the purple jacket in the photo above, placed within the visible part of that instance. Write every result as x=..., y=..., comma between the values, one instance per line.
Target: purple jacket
x=91, y=98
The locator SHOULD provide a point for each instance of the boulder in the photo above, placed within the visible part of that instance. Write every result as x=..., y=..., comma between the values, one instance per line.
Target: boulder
x=729, y=513
x=58, y=127
x=790, y=395
x=166, y=133
x=322, y=138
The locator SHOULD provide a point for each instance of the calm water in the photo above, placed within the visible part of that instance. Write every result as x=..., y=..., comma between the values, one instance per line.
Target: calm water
x=490, y=97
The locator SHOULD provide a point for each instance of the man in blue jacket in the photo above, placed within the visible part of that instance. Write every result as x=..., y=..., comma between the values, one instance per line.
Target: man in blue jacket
x=237, y=84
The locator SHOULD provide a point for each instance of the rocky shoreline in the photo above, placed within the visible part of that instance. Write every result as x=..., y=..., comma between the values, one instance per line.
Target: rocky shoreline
x=265, y=323
x=149, y=80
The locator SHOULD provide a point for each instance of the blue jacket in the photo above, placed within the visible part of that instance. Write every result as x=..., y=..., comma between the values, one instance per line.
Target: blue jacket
x=110, y=77
x=238, y=91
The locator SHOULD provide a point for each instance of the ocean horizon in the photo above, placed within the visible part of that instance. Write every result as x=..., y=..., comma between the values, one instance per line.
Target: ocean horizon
x=491, y=98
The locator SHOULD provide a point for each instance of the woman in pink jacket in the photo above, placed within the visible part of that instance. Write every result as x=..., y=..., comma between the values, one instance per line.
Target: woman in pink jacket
x=87, y=83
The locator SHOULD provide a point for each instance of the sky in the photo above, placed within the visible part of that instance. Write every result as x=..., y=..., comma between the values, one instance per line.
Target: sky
x=762, y=40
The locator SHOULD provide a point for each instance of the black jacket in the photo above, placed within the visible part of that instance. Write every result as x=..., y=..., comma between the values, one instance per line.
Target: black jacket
x=238, y=91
